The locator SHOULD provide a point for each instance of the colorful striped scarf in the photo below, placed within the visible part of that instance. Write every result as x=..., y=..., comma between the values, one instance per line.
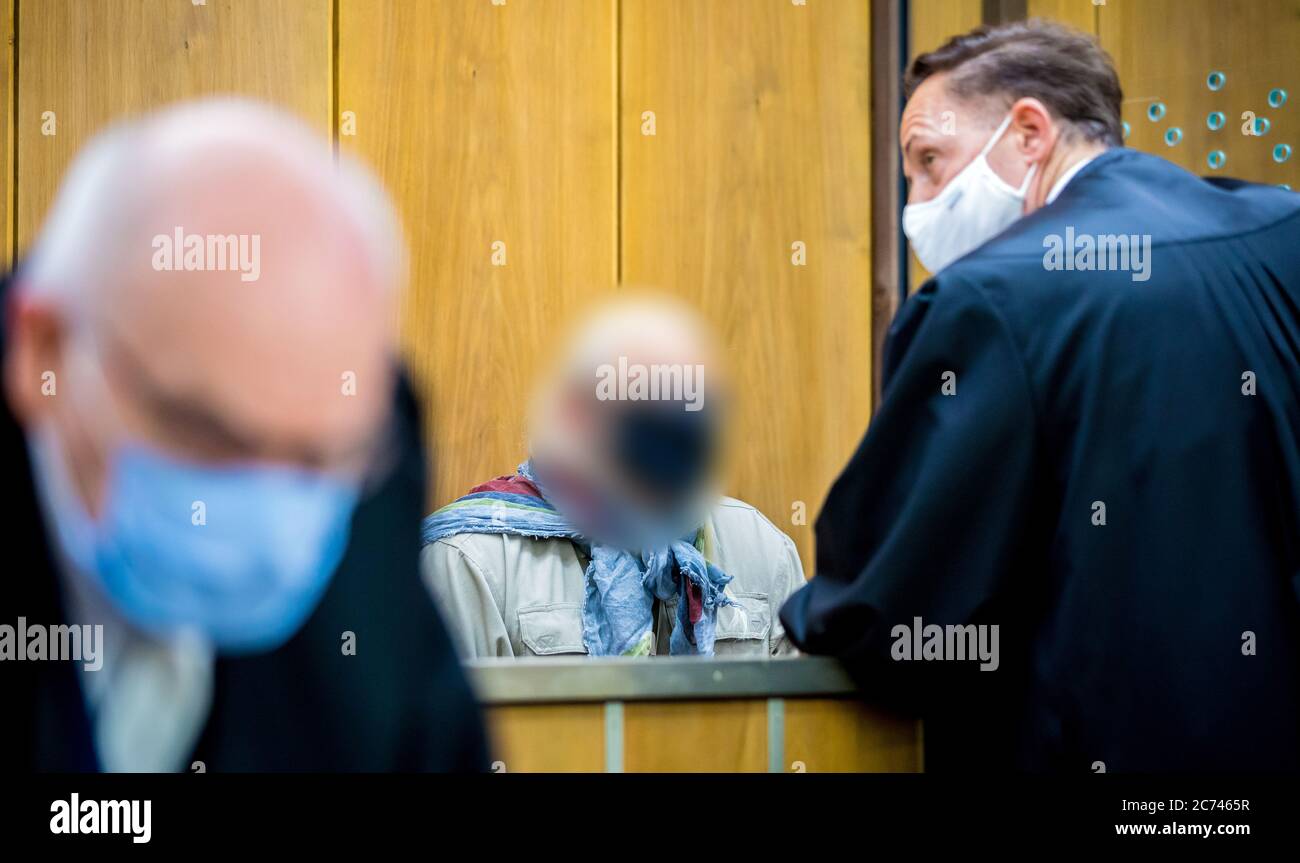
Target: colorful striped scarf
x=621, y=586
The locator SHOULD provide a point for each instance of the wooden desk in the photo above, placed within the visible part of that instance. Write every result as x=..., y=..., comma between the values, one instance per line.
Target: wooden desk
x=686, y=715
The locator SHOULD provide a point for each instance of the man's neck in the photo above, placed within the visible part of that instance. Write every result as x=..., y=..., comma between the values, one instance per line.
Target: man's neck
x=1062, y=160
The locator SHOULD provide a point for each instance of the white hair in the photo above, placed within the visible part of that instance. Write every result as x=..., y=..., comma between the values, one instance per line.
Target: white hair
x=81, y=222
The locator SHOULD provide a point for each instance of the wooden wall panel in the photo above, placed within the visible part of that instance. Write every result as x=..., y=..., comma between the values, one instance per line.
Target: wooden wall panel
x=814, y=735
x=7, y=187
x=695, y=737
x=933, y=22
x=762, y=140
x=94, y=63
x=1080, y=14
x=548, y=738
x=489, y=124
x=1165, y=49
x=823, y=736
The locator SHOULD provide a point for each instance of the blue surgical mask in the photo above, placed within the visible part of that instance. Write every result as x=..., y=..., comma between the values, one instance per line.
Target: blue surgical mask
x=240, y=554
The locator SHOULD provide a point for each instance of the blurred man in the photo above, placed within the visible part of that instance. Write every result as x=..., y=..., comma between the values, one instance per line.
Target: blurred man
x=224, y=474
x=608, y=540
x=1089, y=439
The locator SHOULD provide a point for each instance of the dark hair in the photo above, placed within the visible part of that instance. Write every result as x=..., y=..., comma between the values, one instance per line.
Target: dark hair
x=1063, y=68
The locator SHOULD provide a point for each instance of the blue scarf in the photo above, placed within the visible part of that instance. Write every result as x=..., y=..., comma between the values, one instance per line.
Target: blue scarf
x=621, y=586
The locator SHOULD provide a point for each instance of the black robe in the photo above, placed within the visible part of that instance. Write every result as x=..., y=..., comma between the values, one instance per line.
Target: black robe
x=400, y=703
x=1127, y=643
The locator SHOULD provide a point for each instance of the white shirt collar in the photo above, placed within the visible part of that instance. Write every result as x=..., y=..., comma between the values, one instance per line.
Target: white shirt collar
x=149, y=699
x=1068, y=176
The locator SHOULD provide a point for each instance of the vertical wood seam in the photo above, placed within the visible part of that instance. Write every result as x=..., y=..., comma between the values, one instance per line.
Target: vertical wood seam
x=11, y=241
x=334, y=78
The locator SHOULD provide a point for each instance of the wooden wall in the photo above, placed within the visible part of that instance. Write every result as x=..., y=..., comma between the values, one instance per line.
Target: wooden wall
x=934, y=22
x=1080, y=14
x=93, y=63
x=1166, y=49
x=7, y=103
x=489, y=125
x=763, y=141
x=522, y=124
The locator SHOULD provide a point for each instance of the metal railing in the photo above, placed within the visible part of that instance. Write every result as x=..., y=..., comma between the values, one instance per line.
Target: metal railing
x=541, y=680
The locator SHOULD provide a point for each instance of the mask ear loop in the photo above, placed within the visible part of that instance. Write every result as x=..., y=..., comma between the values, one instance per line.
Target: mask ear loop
x=996, y=136
x=1023, y=191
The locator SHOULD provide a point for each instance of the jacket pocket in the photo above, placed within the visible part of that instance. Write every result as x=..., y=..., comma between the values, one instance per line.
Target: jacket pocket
x=550, y=628
x=743, y=630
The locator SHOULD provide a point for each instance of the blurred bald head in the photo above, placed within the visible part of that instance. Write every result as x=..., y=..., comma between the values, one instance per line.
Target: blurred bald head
x=211, y=277
x=645, y=329
x=631, y=414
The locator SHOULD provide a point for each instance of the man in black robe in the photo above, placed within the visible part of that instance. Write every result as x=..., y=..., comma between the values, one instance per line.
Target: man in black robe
x=1089, y=438
x=211, y=557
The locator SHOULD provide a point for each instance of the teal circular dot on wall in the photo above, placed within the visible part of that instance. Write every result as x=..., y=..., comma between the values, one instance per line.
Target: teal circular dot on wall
x=1173, y=136
x=1262, y=125
x=1156, y=112
x=1216, y=80
x=1215, y=120
x=1126, y=128
x=1281, y=153
x=1216, y=159
x=1276, y=97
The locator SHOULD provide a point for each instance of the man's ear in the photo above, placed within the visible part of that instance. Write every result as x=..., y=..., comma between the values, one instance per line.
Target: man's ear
x=33, y=356
x=1034, y=130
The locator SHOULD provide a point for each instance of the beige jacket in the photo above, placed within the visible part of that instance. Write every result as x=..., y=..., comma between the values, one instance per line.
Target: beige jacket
x=505, y=595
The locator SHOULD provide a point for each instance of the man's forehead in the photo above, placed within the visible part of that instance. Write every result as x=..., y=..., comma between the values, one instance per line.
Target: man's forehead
x=934, y=110
x=244, y=366
x=926, y=110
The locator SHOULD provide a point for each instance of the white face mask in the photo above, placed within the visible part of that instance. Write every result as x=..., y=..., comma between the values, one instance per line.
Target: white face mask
x=972, y=209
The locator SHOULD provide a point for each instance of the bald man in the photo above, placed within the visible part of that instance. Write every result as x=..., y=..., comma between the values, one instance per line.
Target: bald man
x=220, y=474
x=609, y=540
